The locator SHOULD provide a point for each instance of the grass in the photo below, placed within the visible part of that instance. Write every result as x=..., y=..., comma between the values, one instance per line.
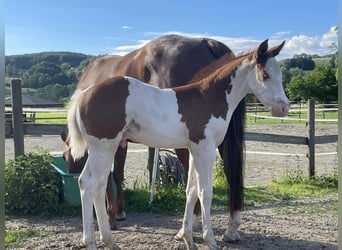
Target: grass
x=171, y=199
x=14, y=237
x=324, y=61
x=51, y=118
x=295, y=185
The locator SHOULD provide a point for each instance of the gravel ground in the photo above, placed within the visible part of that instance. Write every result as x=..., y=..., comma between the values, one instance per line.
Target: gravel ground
x=301, y=224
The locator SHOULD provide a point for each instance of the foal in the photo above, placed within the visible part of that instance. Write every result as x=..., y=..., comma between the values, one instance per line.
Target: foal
x=195, y=116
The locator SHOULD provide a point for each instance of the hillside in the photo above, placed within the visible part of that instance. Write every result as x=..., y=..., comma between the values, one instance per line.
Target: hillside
x=50, y=75
x=26, y=61
x=53, y=75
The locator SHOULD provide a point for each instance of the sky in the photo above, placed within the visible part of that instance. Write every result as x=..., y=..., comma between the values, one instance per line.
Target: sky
x=118, y=27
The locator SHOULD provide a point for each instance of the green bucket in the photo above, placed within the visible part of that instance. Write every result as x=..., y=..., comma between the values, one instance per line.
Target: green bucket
x=70, y=188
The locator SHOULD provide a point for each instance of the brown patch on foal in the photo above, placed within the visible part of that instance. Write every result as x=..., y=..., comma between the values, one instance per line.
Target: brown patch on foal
x=198, y=105
x=102, y=107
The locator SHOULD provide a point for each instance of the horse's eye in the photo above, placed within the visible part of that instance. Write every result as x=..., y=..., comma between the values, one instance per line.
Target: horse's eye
x=265, y=76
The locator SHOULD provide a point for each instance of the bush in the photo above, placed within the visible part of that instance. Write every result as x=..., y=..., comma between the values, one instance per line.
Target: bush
x=32, y=187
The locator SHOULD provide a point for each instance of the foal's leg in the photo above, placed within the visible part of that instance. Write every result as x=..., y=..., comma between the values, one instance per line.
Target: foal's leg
x=92, y=184
x=204, y=159
x=119, y=164
x=185, y=233
x=111, y=202
x=86, y=191
x=183, y=156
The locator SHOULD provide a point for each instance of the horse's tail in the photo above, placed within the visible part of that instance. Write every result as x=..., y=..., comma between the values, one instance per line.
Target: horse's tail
x=77, y=143
x=233, y=157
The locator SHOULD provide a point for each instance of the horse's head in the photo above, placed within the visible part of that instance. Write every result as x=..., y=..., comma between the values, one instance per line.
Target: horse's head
x=72, y=165
x=266, y=81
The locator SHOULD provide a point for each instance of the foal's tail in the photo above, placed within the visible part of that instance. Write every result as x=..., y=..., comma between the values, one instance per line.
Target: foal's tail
x=77, y=143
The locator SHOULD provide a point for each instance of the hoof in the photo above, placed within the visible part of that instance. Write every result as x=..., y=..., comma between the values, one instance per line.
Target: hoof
x=179, y=236
x=120, y=216
x=231, y=236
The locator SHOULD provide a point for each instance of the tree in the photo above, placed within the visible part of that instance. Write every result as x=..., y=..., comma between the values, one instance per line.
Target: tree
x=56, y=92
x=44, y=73
x=320, y=85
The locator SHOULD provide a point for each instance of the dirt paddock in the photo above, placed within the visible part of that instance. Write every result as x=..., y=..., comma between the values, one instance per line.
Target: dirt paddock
x=301, y=224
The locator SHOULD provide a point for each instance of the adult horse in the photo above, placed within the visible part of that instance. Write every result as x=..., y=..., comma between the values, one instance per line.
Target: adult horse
x=171, y=61
x=195, y=116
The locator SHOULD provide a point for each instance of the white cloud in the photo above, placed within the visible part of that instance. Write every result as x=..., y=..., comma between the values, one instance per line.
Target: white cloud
x=310, y=44
x=111, y=38
x=124, y=49
x=126, y=27
x=295, y=45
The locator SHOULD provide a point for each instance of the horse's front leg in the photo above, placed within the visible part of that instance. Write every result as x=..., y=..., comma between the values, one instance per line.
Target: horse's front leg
x=204, y=159
x=185, y=233
x=183, y=156
x=119, y=164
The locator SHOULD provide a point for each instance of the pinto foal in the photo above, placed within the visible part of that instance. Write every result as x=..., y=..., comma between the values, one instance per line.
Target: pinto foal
x=194, y=116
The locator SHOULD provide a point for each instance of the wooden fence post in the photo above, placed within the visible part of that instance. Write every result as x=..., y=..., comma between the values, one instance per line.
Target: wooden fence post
x=17, y=118
x=311, y=137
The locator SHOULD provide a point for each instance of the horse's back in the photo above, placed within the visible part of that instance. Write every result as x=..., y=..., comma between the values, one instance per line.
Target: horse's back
x=155, y=113
x=100, y=69
x=173, y=60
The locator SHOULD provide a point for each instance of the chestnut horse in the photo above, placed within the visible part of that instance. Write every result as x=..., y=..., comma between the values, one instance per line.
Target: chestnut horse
x=194, y=116
x=171, y=61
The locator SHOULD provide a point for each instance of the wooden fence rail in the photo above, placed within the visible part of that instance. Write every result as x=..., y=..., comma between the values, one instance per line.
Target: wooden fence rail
x=18, y=129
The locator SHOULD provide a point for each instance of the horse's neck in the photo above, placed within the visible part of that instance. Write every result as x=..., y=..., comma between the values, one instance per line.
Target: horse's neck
x=239, y=84
x=236, y=78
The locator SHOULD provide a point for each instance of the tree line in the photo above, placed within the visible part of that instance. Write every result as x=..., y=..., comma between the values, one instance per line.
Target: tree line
x=53, y=75
x=50, y=75
x=303, y=79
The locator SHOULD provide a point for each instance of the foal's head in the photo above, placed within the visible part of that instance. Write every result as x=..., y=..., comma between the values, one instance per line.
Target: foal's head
x=265, y=80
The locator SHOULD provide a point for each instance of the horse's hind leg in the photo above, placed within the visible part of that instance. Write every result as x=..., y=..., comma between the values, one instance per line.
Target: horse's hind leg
x=119, y=164
x=111, y=202
x=92, y=182
x=85, y=184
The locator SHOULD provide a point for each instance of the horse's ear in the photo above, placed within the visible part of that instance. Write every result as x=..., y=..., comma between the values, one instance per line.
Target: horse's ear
x=272, y=52
x=260, y=53
x=262, y=49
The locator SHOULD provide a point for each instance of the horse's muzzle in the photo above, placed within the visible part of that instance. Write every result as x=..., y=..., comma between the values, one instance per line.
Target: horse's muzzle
x=280, y=109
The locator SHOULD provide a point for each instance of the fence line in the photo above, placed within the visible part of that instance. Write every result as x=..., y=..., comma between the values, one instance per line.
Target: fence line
x=18, y=129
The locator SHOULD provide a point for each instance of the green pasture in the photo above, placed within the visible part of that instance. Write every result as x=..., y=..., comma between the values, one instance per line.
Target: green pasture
x=325, y=61
x=51, y=118
x=296, y=117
